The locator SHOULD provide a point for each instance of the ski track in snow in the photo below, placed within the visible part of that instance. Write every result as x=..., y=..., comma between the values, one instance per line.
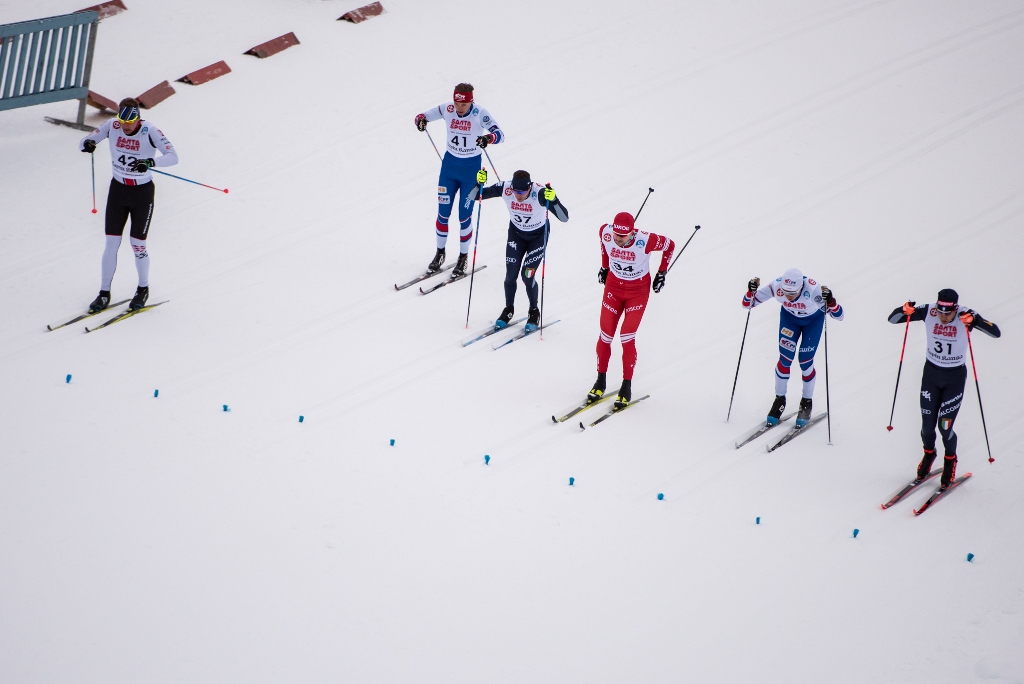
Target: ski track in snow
x=874, y=144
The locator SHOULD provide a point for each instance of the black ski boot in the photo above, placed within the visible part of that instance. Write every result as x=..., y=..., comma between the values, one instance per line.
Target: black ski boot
x=778, y=406
x=925, y=466
x=948, y=471
x=435, y=265
x=101, y=302
x=533, y=319
x=504, y=319
x=625, y=394
x=803, y=416
x=139, y=300
x=460, y=266
x=598, y=389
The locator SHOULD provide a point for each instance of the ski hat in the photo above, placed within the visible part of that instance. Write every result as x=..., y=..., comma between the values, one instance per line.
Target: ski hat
x=623, y=223
x=792, y=280
x=460, y=96
x=947, y=300
x=521, y=181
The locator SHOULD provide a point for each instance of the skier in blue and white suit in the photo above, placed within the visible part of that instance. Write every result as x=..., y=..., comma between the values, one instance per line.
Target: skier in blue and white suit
x=469, y=129
x=804, y=303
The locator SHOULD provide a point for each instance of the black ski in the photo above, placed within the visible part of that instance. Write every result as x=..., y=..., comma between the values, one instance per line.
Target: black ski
x=491, y=331
x=761, y=429
x=795, y=431
x=82, y=317
x=615, y=411
x=449, y=281
x=125, y=314
x=582, y=407
x=941, y=493
x=911, y=486
x=426, y=274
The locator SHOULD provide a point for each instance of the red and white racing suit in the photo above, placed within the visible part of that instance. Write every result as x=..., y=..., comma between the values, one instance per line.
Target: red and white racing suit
x=626, y=291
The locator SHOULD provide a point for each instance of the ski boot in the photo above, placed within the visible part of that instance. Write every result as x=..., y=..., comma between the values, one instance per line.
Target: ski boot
x=803, y=416
x=925, y=466
x=435, y=265
x=597, y=391
x=778, y=406
x=460, y=266
x=504, y=319
x=533, y=319
x=948, y=471
x=101, y=302
x=139, y=300
x=625, y=394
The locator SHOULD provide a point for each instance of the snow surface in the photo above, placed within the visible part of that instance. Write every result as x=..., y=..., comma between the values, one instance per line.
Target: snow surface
x=875, y=144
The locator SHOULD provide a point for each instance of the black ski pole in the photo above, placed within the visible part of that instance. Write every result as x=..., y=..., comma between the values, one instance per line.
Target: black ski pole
x=649, y=191
x=902, y=351
x=544, y=260
x=695, y=229
x=828, y=411
x=978, y=387
x=433, y=145
x=476, y=239
x=737, y=376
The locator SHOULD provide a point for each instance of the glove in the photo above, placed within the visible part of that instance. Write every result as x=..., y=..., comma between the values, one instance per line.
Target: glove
x=602, y=275
x=141, y=165
x=967, y=317
x=908, y=308
x=89, y=146
x=485, y=140
x=549, y=194
x=659, y=281
x=421, y=122
x=754, y=283
x=481, y=176
x=826, y=294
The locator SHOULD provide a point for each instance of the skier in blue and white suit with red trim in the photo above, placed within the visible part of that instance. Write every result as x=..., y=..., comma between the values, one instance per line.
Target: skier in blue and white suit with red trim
x=804, y=303
x=469, y=129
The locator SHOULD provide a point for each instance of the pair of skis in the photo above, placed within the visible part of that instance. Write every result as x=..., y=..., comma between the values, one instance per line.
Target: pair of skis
x=938, y=494
x=119, y=317
x=430, y=274
x=792, y=434
x=493, y=331
x=587, y=404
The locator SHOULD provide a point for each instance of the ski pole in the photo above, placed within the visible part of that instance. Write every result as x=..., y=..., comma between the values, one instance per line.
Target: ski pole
x=164, y=173
x=649, y=191
x=695, y=229
x=492, y=165
x=900, y=370
x=432, y=144
x=737, y=376
x=476, y=239
x=828, y=412
x=978, y=388
x=92, y=158
x=544, y=260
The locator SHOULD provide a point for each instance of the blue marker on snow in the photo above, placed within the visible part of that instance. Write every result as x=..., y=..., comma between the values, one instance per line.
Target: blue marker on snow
x=392, y=442
x=970, y=557
x=757, y=520
x=487, y=459
x=302, y=418
x=572, y=481
x=156, y=393
x=68, y=379
x=660, y=496
x=226, y=407
x=855, y=532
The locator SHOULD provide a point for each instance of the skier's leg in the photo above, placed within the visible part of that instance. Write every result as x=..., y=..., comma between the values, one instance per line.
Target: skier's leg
x=515, y=247
x=466, y=181
x=931, y=394
x=116, y=215
x=633, y=307
x=949, y=406
x=445, y=194
x=142, y=214
x=611, y=310
x=810, y=335
x=788, y=332
x=531, y=262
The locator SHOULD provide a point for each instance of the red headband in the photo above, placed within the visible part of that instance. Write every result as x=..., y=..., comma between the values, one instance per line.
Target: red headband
x=463, y=97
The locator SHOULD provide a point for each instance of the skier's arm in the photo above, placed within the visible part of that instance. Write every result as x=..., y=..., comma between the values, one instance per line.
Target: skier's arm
x=974, y=321
x=831, y=305
x=760, y=297
x=96, y=136
x=554, y=204
x=492, y=191
x=432, y=114
x=168, y=157
x=663, y=244
x=497, y=135
x=604, y=252
x=899, y=315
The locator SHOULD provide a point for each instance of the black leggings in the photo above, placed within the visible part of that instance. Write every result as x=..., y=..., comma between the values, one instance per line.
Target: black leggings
x=129, y=200
x=523, y=254
x=942, y=391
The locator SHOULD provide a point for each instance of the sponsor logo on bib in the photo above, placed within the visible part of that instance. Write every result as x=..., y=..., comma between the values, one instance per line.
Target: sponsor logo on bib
x=461, y=125
x=130, y=145
x=944, y=330
x=519, y=206
x=623, y=254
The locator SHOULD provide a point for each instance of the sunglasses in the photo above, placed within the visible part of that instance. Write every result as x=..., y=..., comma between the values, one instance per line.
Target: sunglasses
x=521, y=192
x=128, y=115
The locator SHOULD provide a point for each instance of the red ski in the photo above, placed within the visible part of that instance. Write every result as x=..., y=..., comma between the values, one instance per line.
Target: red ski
x=941, y=493
x=909, y=488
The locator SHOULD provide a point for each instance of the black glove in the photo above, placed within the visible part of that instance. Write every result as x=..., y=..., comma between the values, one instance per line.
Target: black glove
x=754, y=283
x=659, y=281
x=826, y=294
x=484, y=140
x=141, y=165
x=89, y=146
x=421, y=123
x=602, y=275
